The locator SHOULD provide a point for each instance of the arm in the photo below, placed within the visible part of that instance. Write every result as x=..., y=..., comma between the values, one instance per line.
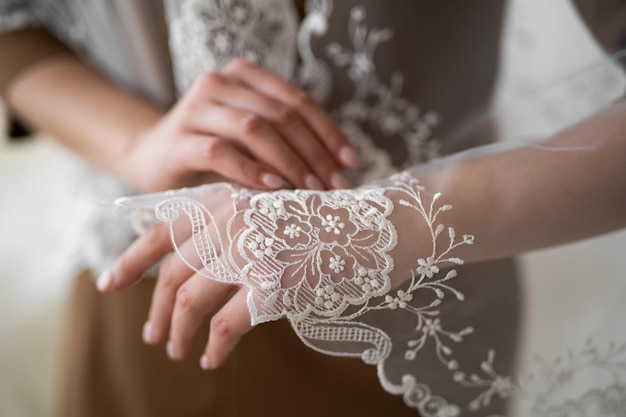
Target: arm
x=204, y=134
x=81, y=109
x=569, y=187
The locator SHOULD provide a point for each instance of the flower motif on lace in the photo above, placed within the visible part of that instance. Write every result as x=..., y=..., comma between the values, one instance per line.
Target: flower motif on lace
x=337, y=263
x=549, y=380
x=432, y=327
x=261, y=247
x=293, y=230
x=367, y=279
x=379, y=104
x=327, y=296
x=333, y=225
x=400, y=301
x=205, y=35
x=360, y=62
x=427, y=267
x=240, y=194
x=316, y=243
x=273, y=209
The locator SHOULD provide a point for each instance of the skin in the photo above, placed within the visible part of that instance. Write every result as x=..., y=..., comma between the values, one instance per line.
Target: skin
x=242, y=124
x=571, y=188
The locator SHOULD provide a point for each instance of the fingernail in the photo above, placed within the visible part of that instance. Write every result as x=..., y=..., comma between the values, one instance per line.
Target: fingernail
x=339, y=181
x=312, y=183
x=104, y=281
x=348, y=156
x=171, y=352
x=204, y=363
x=148, y=333
x=272, y=180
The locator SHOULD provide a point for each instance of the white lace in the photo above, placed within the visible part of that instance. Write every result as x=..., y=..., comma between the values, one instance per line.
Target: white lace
x=326, y=260
x=207, y=35
x=374, y=103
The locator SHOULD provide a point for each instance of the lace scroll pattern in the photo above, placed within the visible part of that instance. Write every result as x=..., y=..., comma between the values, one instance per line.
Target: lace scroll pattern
x=325, y=260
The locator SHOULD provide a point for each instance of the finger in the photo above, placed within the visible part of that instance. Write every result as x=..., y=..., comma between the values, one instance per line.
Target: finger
x=314, y=153
x=173, y=273
x=273, y=86
x=195, y=299
x=196, y=253
x=228, y=325
x=293, y=128
x=140, y=256
x=258, y=137
x=210, y=153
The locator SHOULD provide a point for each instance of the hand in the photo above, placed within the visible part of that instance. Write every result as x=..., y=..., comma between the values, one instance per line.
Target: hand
x=183, y=298
x=304, y=255
x=247, y=125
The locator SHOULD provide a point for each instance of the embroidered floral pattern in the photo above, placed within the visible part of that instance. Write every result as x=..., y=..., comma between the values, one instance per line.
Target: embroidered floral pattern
x=541, y=388
x=323, y=260
x=205, y=35
x=349, y=231
x=374, y=104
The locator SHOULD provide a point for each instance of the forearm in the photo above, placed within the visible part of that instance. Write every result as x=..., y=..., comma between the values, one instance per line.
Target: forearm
x=571, y=187
x=84, y=111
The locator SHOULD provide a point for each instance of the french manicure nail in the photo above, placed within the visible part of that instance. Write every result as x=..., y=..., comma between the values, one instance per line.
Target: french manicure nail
x=348, y=156
x=148, y=333
x=338, y=181
x=204, y=363
x=104, y=281
x=171, y=353
x=272, y=180
x=312, y=183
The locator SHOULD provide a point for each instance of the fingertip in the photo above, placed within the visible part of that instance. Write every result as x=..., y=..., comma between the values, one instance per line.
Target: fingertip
x=104, y=282
x=149, y=334
x=272, y=181
x=205, y=363
x=312, y=183
x=348, y=157
x=339, y=182
x=172, y=352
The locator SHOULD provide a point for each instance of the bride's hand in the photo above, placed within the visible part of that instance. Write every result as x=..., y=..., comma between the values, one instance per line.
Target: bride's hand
x=183, y=297
x=246, y=125
x=309, y=256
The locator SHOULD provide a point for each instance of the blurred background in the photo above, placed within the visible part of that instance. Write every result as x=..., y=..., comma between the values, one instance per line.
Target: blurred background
x=545, y=42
